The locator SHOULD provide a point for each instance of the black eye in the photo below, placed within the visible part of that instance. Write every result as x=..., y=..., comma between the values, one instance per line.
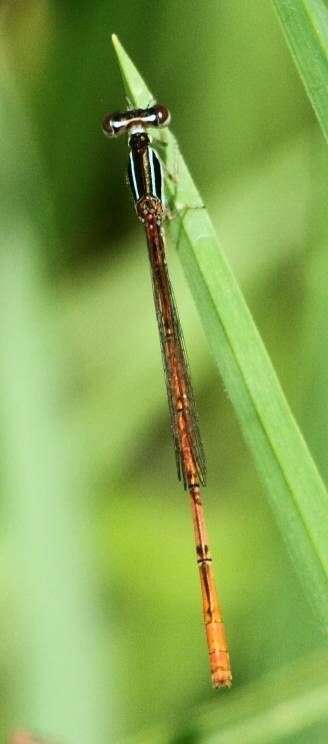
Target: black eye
x=163, y=115
x=107, y=126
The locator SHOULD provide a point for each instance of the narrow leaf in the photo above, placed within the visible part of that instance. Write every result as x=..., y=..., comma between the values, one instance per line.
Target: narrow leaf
x=305, y=25
x=294, y=488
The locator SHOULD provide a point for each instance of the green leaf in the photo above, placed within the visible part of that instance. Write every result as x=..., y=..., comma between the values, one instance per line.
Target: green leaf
x=305, y=24
x=294, y=488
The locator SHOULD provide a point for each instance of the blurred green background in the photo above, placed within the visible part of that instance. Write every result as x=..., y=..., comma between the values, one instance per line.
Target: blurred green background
x=100, y=631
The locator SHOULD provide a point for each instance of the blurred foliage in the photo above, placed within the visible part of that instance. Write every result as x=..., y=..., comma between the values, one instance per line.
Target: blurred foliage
x=101, y=638
x=305, y=23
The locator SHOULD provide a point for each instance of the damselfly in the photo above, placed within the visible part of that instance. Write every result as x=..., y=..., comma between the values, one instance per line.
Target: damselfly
x=146, y=182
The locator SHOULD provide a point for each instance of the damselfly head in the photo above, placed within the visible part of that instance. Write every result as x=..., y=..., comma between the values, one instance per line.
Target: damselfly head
x=120, y=122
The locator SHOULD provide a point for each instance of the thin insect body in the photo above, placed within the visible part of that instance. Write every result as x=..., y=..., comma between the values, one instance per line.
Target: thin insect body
x=146, y=182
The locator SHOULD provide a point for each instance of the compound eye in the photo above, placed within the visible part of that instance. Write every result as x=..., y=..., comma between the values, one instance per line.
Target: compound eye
x=107, y=126
x=114, y=124
x=163, y=115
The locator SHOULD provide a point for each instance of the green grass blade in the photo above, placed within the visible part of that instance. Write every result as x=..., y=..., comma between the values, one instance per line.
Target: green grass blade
x=305, y=24
x=295, y=490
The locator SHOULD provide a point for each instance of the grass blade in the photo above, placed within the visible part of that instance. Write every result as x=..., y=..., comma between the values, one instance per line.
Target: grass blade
x=295, y=490
x=305, y=24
